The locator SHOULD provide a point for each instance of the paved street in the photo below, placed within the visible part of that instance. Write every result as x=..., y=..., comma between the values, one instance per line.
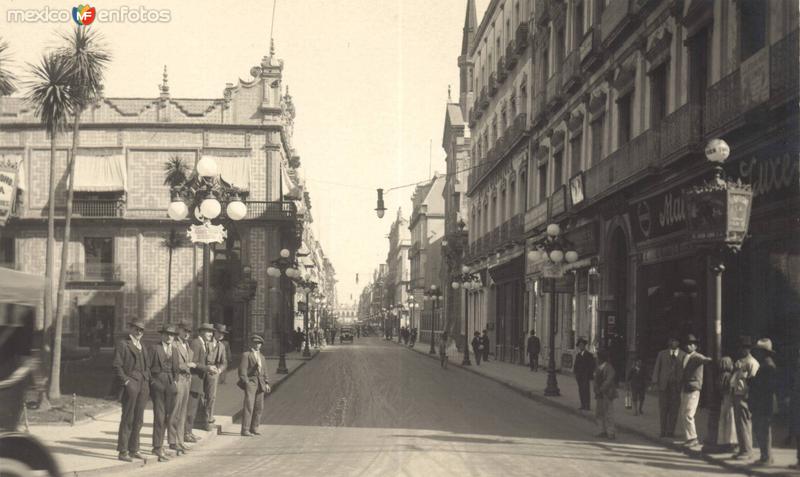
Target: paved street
x=377, y=409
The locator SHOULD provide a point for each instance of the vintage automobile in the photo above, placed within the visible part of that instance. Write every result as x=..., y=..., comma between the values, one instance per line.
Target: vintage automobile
x=345, y=334
x=20, y=294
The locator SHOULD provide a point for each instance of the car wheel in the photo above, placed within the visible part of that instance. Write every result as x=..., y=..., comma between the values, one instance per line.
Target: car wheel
x=15, y=468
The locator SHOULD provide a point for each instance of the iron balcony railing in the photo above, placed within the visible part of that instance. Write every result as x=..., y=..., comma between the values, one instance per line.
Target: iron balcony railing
x=270, y=210
x=521, y=40
x=104, y=272
x=511, y=55
x=100, y=208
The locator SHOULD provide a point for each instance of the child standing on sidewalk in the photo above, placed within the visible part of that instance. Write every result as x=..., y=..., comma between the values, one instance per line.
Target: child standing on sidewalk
x=637, y=385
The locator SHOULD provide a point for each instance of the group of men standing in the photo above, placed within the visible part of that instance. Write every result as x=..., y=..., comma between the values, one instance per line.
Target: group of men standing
x=179, y=374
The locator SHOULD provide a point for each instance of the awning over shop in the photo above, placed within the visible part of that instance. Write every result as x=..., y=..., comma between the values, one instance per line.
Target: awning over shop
x=234, y=170
x=100, y=173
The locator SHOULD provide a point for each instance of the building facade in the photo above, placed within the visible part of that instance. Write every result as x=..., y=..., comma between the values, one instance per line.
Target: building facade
x=398, y=272
x=118, y=253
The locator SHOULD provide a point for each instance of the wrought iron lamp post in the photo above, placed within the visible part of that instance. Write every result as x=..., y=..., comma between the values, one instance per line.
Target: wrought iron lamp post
x=307, y=287
x=718, y=217
x=433, y=295
x=466, y=281
x=285, y=269
x=203, y=194
x=554, y=250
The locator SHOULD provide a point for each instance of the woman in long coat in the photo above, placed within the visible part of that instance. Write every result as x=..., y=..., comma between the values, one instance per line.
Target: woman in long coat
x=726, y=431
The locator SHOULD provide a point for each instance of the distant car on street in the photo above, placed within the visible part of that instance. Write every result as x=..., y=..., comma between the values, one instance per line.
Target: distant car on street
x=345, y=334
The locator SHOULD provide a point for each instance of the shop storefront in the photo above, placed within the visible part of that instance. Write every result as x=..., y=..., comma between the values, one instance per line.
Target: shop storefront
x=509, y=295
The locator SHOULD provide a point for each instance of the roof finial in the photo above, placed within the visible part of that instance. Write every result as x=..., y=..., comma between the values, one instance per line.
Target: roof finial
x=164, y=88
x=272, y=47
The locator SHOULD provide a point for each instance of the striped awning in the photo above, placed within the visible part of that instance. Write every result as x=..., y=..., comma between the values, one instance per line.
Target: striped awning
x=235, y=170
x=100, y=173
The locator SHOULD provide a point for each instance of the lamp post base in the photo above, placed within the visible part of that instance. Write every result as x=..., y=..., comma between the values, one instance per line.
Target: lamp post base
x=466, y=361
x=306, y=351
x=552, y=384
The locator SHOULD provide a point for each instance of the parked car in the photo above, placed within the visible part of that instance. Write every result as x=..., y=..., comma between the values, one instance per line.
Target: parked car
x=345, y=334
x=20, y=295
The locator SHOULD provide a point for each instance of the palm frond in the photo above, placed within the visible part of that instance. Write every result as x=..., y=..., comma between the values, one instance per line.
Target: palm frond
x=174, y=240
x=7, y=78
x=50, y=91
x=87, y=56
x=176, y=172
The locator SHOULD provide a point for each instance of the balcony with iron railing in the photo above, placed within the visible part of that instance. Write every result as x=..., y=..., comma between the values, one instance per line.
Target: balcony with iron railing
x=539, y=109
x=590, y=52
x=98, y=208
x=542, y=12
x=503, y=238
x=511, y=55
x=617, y=19
x=628, y=160
x=521, y=39
x=492, y=84
x=571, y=72
x=515, y=227
x=555, y=95
x=267, y=210
x=723, y=105
x=94, y=272
x=484, y=98
x=681, y=132
x=494, y=240
x=502, y=74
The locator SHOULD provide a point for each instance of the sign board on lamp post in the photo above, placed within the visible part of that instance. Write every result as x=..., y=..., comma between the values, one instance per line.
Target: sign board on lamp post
x=207, y=233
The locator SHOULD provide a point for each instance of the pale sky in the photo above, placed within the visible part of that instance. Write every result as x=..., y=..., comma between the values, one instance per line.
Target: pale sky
x=368, y=77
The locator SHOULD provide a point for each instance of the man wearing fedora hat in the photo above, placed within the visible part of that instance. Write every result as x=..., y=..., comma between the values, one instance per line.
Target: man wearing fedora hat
x=253, y=379
x=691, y=384
x=745, y=368
x=215, y=359
x=183, y=356
x=163, y=390
x=221, y=333
x=667, y=379
x=204, y=367
x=131, y=366
x=583, y=368
x=763, y=388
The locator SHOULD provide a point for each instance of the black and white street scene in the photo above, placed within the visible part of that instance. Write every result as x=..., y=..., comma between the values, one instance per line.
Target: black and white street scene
x=400, y=238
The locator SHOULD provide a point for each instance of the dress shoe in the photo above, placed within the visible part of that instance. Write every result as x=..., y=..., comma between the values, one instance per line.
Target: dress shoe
x=190, y=438
x=178, y=449
x=162, y=457
x=137, y=455
x=691, y=443
x=742, y=456
x=123, y=456
x=255, y=433
x=762, y=462
x=246, y=434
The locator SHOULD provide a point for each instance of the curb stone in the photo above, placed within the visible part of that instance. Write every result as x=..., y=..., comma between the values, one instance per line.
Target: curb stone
x=571, y=410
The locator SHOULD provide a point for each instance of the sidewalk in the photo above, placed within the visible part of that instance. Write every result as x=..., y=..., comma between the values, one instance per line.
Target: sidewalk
x=89, y=448
x=532, y=384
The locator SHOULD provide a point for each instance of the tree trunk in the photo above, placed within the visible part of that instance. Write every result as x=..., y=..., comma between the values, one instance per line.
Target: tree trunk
x=47, y=332
x=169, y=285
x=55, y=371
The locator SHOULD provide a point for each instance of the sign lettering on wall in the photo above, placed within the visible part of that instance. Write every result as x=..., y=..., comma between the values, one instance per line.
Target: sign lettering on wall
x=8, y=188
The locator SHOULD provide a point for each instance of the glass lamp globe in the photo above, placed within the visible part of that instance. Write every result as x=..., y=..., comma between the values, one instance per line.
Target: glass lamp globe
x=273, y=272
x=464, y=269
x=571, y=256
x=177, y=210
x=553, y=230
x=533, y=255
x=717, y=150
x=210, y=208
x=285, y=253
x=236, y=210
x=433, y=287
x=456, y=285
x=557, y=256
x=207, y=167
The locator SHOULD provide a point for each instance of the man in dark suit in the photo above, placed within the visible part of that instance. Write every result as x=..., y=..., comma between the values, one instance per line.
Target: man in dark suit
x=253, y=379
x=691, y=384
x=667, y=379
x=163, y=390
x=200, y=353
x=485, y=343
x=534, y=347
x=583, y=369
x=132, y=370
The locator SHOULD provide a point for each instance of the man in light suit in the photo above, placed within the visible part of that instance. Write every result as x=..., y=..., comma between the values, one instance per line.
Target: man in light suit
x=605, y=391
x=221, y=333
x=217, y=362
x=253, y=379
x=667, y=379
x=200, y=353
x=132, y=371
x=183, y=357
x=691, y=384
x=163, y=390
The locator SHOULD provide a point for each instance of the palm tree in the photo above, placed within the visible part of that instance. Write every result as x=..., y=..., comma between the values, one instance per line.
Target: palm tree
x=6, y=77
x=49, y=91
x=87, y=60
x=176, y=174
x=171, y=242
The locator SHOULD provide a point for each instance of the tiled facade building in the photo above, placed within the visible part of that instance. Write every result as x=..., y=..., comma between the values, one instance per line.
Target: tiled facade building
x=118, y=260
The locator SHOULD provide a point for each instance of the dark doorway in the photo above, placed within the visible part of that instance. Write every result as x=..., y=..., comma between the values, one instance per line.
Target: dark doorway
x=616, y=319
x=96, y=326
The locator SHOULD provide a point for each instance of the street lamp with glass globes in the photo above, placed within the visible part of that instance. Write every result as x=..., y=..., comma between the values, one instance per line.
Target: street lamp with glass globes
x=284, y=267
x=466, y=281
x=434, y=296
x=203, y=195
x=307, y=287
x=554, y=250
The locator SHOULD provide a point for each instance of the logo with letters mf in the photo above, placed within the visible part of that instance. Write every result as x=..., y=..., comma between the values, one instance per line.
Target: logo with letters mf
x=84, y=14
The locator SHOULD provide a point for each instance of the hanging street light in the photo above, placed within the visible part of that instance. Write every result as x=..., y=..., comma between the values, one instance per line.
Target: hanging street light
x=433, y=295
x=468, y=282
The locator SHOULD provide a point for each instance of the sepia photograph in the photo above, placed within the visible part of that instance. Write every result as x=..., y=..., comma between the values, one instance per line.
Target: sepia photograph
x=400, y=238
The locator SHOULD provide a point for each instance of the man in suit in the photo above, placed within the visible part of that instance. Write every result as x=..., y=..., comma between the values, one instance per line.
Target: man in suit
x=485, y=343
x=221, y=336
x=177, y=422
x=605, y=391
x=216, y=360
x=745, y=369
x=667, y=379
x=200, y=353
x=132, y=370
x=691, y=384
x=253, y=379
x=763, y=389
x=583, y=369
x=534, y=347
x=163, y=390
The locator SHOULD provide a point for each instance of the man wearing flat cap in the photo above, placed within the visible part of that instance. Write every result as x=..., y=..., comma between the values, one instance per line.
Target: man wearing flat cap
x=163, y=390
x=253, y=379
x=131, y=366
x=691, y=384
x=204, y=361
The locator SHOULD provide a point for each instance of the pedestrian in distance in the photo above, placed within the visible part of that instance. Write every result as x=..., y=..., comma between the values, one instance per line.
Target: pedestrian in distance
x=667, y=380
x=763, y=388
x=477, y=348
x=485, y=343
x=534, y=347
x=131, y=366
x=605, y=392
x=443, y=342
x=333, y=336
x=204, y=367
x=413, y=337
x=583, y=368
x=794, y=407
x=221, y=333
x=637, y=385
x=745, y=369
x=163, y=390
x=691, y=384
x=177, y=422
x=254, y=381
x=726, y=429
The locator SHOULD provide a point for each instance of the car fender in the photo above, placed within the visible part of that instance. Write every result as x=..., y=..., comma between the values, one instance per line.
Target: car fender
x=29, y=450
